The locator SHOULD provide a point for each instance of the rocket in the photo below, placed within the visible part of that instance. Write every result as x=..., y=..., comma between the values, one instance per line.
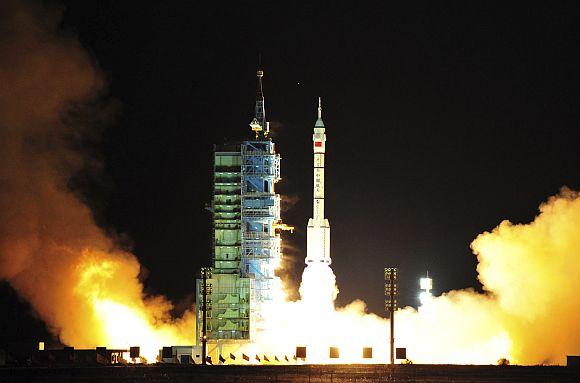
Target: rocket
x=318, y=231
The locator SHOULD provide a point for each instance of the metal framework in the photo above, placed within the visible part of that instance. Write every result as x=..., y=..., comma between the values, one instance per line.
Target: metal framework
x=246, y=240
x=260, y=213
x=228, y=301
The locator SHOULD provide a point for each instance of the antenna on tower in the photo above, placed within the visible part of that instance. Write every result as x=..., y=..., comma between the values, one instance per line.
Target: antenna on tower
x=259, y=123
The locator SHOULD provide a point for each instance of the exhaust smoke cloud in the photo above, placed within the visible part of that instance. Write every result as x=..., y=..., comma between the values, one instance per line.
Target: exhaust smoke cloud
x=528, y=313
x=79, y=282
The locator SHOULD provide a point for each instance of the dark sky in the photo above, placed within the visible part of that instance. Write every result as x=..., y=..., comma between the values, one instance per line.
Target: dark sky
x=442, y=120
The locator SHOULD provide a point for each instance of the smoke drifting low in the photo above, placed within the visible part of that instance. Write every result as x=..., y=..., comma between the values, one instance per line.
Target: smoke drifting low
x=51, y=250
x=528, y=314
x=532, y=271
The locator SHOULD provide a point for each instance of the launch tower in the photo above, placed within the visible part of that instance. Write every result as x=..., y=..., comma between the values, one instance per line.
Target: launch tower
x=246, y=231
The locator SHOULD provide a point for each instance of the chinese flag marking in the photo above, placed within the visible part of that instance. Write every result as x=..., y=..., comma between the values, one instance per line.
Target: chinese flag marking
x=317, y=143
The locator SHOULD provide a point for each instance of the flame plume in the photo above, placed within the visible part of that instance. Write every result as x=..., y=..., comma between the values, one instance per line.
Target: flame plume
x=80, y=283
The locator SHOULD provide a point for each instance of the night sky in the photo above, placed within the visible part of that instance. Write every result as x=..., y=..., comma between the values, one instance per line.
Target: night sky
x=442, y=120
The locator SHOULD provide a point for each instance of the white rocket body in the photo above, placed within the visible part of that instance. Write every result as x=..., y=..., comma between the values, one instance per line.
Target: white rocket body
x=318, y=231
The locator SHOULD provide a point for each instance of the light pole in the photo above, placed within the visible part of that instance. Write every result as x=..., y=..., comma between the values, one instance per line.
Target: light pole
x=391, y=303
x=205, y=274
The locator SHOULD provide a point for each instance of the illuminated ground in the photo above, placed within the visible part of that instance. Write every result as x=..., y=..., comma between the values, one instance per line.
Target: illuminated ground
x=302, y=374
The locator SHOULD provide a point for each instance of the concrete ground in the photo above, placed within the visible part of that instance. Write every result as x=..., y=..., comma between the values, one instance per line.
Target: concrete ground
x=290, y=374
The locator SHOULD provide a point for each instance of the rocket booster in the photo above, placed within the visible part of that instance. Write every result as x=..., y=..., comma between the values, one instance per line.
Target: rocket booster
x=318, y=231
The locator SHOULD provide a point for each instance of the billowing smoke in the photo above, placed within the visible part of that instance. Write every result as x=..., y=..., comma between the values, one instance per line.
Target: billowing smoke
x=291, y=257
x=532, y=270
x=528, y=313
x=80, y=283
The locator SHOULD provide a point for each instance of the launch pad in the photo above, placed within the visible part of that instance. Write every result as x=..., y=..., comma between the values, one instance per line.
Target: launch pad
x=239, y=297
x=291, y=374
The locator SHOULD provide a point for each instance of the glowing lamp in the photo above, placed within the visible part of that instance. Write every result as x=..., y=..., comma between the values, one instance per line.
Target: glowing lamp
x=426, y=284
